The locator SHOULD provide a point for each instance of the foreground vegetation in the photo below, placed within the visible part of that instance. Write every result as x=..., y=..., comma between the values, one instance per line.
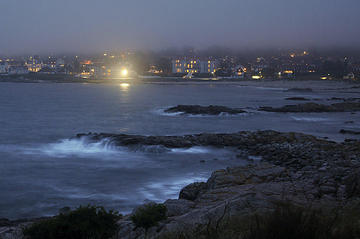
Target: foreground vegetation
x=284, y=221
x=88, y=222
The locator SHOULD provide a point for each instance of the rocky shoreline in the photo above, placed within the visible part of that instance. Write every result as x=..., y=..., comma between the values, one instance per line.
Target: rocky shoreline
x=294, y=167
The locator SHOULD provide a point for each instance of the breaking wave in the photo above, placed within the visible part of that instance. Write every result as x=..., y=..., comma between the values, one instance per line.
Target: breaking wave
x=78, y=147
x=309, y=119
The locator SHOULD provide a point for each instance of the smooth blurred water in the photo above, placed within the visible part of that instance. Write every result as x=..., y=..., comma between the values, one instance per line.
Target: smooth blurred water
x=42, y=169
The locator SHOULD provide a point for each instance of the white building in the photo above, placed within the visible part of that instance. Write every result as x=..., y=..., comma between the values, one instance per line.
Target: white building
x=18, y=70
x=4, y=67
x=193, y=65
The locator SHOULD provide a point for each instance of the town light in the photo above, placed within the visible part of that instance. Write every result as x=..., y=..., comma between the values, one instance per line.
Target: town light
x=124, y=72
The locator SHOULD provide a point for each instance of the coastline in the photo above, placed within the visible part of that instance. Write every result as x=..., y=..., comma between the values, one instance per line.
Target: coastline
x=293, y=166
x=44, y=78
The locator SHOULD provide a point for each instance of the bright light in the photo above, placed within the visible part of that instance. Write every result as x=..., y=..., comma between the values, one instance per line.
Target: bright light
x=124, y=86
x=256, y=77
x=124, y=72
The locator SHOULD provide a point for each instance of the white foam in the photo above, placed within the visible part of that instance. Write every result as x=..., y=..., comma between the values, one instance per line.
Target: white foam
x=163, y=113
x=309, y=119
x=269, y=88
x=192, y=150
x=78, y=147
x=222, y=114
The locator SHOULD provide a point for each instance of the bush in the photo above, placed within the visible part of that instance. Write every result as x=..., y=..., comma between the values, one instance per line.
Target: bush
x=149, y=215
x=88, y=222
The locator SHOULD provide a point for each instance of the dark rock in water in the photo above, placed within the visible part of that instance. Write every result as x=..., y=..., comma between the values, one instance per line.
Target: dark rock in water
x=5, y=222
x=191, y=191
x=315, y=108
x=299, y=90
x=349, y=122
x=344, y=131
x=203, y=110
x=297, y=98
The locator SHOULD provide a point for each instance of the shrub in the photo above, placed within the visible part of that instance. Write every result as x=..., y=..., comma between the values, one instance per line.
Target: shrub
x=149, y=215
x=88, y=222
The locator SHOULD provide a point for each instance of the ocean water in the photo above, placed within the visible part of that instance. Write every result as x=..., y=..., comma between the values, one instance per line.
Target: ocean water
x=43, y=168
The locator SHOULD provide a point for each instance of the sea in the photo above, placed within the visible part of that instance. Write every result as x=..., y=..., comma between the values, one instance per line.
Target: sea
x=44, y=168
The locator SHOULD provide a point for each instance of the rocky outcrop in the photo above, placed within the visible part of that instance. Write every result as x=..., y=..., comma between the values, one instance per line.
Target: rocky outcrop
x=203, y=110
x=344, y=131
x=297, y=99
x=315, y=108
x=295, y=168
x=300, y=90
x=191, y=191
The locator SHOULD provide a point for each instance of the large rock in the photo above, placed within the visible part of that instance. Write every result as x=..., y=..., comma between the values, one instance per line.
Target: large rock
x=191, y=191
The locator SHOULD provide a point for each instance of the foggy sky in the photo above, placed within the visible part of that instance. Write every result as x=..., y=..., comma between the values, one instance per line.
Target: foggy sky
x=54, y=26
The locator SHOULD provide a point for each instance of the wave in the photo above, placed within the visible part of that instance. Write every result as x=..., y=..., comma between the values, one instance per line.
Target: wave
x=76, y=147
x=309, y=119
x=192, y=150
x=222, y=114
x=269, y=88
x=162, y=112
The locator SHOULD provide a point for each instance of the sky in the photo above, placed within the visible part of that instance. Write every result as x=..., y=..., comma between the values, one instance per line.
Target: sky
x=89, y=26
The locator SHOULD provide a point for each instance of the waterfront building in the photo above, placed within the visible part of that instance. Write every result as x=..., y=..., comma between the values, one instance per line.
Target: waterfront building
x=4, y=67
x=34, y=64
x=193, y=65
x=18, y=70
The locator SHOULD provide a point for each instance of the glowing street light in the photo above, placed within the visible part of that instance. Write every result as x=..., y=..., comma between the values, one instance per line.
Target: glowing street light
x=124, y=72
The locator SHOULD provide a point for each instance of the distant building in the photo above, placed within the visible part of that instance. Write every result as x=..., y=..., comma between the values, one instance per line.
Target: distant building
x=18, y=70
x=34, y=64
x=4, y=67
x=239, y=71
x=193, y=65
x=60, y=63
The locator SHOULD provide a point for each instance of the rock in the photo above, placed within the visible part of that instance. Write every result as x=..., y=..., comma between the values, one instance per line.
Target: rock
x=315, y=108
x=203, y=110
x=344, y=131
x=297, y=98
x=191, y=191
x=302, y=90
x=5, y=222
x=352, y=185
x=322, y=169
x=178, y=207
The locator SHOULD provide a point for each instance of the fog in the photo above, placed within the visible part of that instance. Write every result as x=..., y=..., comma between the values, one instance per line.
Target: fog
x=89, y=26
